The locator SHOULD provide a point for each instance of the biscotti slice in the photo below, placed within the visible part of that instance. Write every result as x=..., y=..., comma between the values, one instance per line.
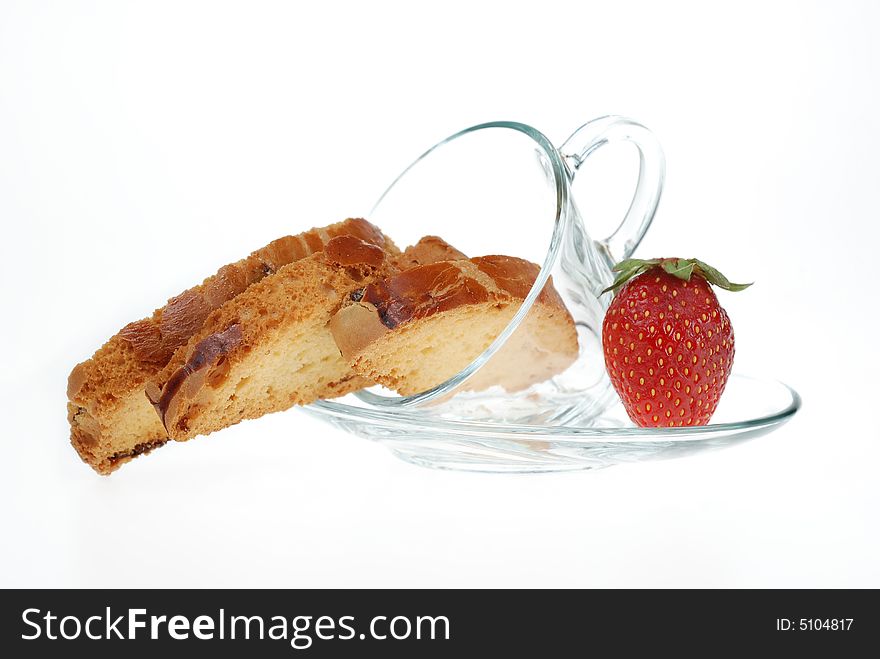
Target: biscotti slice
x=416, y=329
x=111, y=419
x=270, y=347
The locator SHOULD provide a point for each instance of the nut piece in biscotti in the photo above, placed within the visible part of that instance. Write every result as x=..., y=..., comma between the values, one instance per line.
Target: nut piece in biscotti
x=416, y=329
x=270, y=347
x=111, y=420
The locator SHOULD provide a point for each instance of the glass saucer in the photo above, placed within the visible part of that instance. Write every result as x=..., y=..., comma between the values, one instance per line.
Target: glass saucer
x=750, y=407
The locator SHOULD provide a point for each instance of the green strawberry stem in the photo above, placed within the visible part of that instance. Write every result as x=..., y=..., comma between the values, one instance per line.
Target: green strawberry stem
x=681, y=268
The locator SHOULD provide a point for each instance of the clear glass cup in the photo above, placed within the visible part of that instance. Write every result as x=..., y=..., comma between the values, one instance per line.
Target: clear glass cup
x=503, y=188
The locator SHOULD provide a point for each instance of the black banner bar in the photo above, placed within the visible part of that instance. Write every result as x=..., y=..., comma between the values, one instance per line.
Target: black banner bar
x=284, y=623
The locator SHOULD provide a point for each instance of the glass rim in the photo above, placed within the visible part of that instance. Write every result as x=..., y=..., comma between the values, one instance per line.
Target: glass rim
x=560, y=223
x=408, y=421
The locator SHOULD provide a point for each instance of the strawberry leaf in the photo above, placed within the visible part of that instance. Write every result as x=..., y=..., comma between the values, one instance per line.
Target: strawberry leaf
x=620, y=280
x=680, y=268
x=629, y=269
x=715, y=278
x=632, y=264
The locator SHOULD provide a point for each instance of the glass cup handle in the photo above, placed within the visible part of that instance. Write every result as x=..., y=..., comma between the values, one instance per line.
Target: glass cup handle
x=652, y=172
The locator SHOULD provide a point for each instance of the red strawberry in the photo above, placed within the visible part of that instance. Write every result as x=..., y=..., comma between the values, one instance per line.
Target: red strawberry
x=668, y=344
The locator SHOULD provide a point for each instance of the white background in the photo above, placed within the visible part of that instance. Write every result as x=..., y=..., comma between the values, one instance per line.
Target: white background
x=142, y=145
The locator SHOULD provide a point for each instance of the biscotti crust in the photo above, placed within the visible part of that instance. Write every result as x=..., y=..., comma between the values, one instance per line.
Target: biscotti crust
x=155, y=339
x=429, y=249
x=110, y=417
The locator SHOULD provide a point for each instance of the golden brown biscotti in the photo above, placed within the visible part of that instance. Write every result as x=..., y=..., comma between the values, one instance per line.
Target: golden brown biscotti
x=110, y=417
x=418, y=328
x=269, y=348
